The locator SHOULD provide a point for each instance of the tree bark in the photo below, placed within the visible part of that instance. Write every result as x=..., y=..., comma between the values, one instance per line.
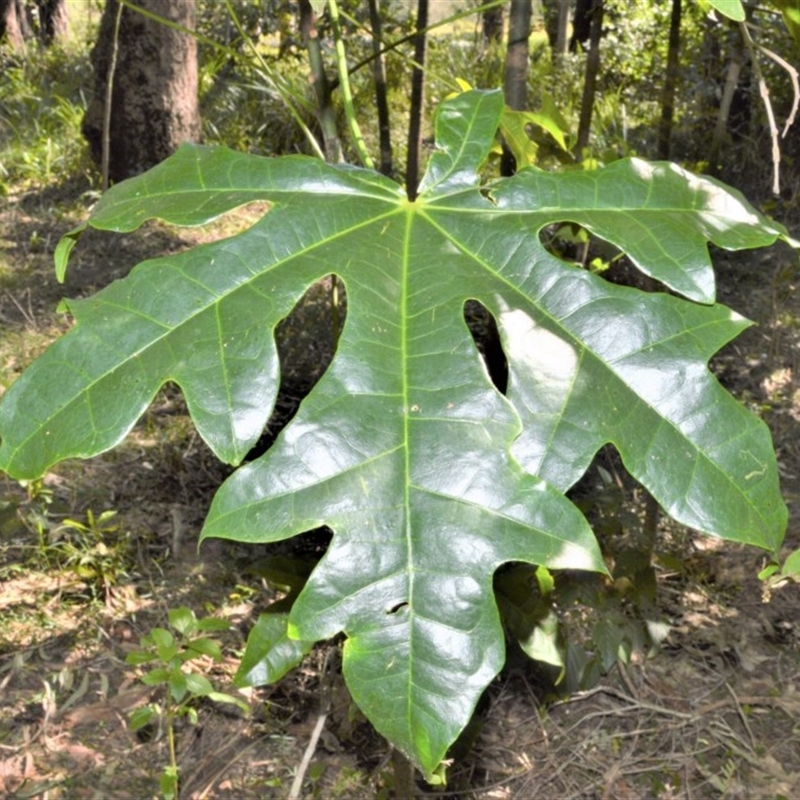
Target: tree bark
x=670, y=81
x=52, y=20
x=14, y=27
x=515, y=82
x=154, y=99
x=550, y=11
x=417, y=98
x=562, y=43
x=581, y=24
x=590, y=78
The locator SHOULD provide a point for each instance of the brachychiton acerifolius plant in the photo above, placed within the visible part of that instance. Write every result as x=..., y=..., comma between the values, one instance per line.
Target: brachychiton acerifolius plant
x=429, y=477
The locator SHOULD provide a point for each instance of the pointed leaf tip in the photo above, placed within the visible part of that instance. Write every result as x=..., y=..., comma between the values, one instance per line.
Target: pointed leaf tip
x=63, y=250
x=466, y=125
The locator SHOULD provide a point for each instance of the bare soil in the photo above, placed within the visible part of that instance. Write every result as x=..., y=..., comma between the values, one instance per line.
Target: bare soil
x=712, y=713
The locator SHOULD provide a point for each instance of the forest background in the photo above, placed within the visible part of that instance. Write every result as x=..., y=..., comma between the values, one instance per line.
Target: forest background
x=95, y=555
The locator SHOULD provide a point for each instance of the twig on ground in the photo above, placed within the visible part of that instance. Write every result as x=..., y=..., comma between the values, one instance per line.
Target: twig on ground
x=748, y=700
x=605, y=689
x=325, y=704
x=27, y=314
x=742, y=715
x=224, y=768
x=297, y=783
x=626, y=679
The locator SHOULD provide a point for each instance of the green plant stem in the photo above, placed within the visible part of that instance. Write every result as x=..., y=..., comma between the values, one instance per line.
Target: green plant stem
x=173, y=759
x=319, y=80
x=403, y=776
x=112, y=68
x=381, y=90
x=344, y=82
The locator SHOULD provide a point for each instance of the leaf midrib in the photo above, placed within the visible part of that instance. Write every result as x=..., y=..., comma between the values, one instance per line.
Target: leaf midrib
x=410, y=209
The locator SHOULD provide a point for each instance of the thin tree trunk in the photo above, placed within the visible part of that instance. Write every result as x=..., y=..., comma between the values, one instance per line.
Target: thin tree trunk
x=670, y=81
x=721, y=128
x=325, y=112
x=590, y=78
x=417, y=102
x=550, y=11
x=515, y=83
x=379, y=75
x=562, y=42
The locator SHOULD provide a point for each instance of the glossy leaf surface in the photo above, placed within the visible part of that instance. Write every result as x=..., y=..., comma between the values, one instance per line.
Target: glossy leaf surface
x=428, y=476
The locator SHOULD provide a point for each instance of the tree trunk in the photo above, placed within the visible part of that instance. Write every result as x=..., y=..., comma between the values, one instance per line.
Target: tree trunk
x=551, y=10
x=590, y=78
x=670, y=81
x=563, y=28
x=14, y=27
x=515, y=82
x=417, y=98
x=581, y=24
x=52, y=20
x=154, y=99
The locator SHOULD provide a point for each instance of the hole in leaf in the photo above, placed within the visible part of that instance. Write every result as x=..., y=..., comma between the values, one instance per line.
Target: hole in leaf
x=306, y=341
x=625, y=519
x=395, y=609
x=483, y=327
x=576, y=246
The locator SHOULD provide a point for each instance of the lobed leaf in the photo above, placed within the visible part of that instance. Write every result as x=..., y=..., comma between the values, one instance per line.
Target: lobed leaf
x=429, y=477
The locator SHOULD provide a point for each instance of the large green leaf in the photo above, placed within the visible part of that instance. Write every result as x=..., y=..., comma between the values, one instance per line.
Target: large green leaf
x=429, y=477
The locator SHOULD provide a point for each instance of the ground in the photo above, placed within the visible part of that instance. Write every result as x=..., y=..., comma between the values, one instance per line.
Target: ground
x=712, y=712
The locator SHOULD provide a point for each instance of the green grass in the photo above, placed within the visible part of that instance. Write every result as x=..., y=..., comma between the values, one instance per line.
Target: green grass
x=42, y=101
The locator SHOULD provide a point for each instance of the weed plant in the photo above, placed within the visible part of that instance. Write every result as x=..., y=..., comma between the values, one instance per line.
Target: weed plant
x=172, y=656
